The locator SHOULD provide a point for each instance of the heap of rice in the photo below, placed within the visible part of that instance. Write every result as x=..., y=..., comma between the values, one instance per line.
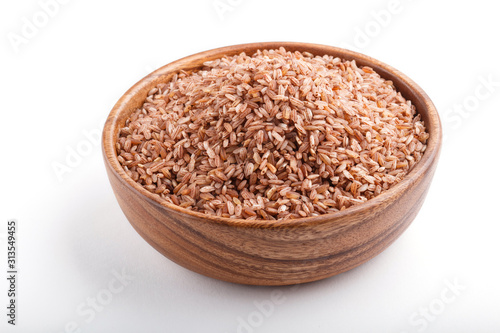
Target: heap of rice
x=276, y=135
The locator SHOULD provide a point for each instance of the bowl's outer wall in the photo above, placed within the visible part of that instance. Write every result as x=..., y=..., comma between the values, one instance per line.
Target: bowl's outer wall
x=273, y=253
x=269, y=256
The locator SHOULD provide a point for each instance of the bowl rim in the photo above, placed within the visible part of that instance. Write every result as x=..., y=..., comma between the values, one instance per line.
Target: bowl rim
x=379, y=202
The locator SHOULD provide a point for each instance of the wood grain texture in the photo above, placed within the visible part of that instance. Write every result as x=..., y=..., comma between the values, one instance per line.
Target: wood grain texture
x=264, y=252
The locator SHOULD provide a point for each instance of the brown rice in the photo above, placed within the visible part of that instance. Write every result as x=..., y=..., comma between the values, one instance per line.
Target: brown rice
x=275, y=135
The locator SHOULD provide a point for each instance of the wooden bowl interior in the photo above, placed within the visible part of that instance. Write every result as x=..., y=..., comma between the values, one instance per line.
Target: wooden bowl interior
x=135, y=97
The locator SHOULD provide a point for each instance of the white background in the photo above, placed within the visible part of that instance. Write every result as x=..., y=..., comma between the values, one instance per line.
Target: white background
x=60, y=81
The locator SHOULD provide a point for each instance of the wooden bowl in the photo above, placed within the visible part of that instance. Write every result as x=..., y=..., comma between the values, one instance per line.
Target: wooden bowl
x=272, y=252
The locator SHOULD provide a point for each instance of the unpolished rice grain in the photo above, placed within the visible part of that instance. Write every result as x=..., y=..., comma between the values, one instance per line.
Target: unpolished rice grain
x=275, y=135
